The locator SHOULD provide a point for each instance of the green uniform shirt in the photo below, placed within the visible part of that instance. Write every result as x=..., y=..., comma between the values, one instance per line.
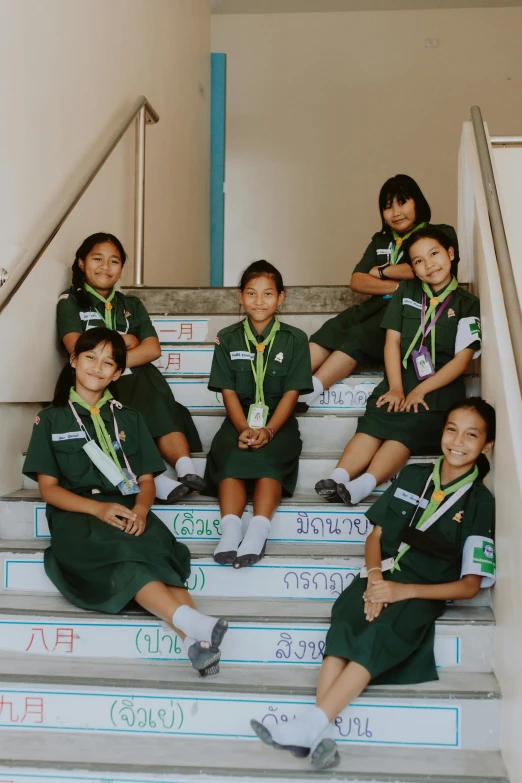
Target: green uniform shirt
x=472, y=515
x=288, y=368
x=458, y=327
x=129, y=315
x=55, y=451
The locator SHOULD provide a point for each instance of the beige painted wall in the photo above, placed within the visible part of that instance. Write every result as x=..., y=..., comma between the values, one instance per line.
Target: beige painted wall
x=322, y=108
x=69, y=70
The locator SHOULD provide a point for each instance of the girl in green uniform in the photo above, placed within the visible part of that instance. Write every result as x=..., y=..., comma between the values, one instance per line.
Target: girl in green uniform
x=93, y=301
x=432, y=333
x=432, y=542
x=354, y=336
x=94, y=461
x=260, y=365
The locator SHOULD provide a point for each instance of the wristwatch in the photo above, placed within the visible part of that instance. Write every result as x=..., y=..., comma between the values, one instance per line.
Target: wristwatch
x=381, y=269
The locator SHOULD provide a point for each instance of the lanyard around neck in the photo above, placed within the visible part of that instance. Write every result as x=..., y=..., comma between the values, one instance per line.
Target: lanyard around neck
x=431, y=315
x=398, y=241
x=102, y=435
x=107, y=316
x=259, y=371
x=434, y=510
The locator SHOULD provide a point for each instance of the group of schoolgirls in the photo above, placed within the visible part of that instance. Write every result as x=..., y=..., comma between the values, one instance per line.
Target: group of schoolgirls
x=99, y=453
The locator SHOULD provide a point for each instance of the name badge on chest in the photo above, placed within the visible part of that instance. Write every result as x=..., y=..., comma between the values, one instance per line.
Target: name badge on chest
x=410, y=497
x=257, y=415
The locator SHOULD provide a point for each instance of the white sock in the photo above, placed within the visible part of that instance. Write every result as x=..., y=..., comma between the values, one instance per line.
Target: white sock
x=187, y=642
x=255, y=537
x=165, y=485
x=340, y=476
x=184, y=465
x=231, y=534
x=194, y=624
x=302, y=731
x=327, y=733
x=361, y=487
x=312, y=396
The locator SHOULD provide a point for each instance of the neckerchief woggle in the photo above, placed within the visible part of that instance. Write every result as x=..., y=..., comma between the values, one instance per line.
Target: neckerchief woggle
x=430, y=316
x=434, y=510
x=107, y=316
x=398, y=240
x=258, y=412
x=127, y=480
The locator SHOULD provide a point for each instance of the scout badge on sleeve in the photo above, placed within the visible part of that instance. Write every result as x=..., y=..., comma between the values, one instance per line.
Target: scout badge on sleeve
x=424, y=360
x=105, y=457
x=258, y=412
x=478, y=558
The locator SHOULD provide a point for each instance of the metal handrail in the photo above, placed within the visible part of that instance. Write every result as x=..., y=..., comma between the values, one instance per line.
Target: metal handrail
x=505, y=268
x=505, y=141
x=144, y=114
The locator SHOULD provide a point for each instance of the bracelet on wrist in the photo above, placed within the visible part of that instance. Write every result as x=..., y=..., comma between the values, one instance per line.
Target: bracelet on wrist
x=375, y=568
x=381, y=269
x=270, y=432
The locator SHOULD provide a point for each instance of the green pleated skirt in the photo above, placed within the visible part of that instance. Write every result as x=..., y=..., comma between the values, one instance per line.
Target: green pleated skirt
x=356, y=332
x=279, y=459
x=98, y=567
x=396, y=647
x=147, y=391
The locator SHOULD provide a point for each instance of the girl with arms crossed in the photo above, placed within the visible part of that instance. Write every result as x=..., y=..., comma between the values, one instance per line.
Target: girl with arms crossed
x=354, y=336
x=260, y=365
x=92, y=301
x=432, y=542
x=432, y=333
x=94, y=461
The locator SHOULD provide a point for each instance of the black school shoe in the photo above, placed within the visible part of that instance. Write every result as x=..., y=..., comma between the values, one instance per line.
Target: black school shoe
x=264, y=735
x=326, y=755
x=327, y=489
x=344, y=495
x=194, y=482
x=176, y=494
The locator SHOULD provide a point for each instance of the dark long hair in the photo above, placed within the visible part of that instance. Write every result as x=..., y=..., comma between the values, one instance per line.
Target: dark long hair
x=261, y=269
x=78, y=277
x=403, y=187
x=488, y=416
x=86, y=342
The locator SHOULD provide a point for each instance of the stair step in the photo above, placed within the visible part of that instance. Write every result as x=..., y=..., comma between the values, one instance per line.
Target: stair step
x=313, y=466
x=45, y=757
x=261, y=632
x=195, y=328
x=303, y=518
x=203, y=301
x=297, y=576
x=461, y=710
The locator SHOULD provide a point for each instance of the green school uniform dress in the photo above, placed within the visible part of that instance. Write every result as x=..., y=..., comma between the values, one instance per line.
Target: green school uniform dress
x=288, y=368
x=458, y=327
x=356, y=331
x=397, y=646
x=143, y=388
x=94, y=565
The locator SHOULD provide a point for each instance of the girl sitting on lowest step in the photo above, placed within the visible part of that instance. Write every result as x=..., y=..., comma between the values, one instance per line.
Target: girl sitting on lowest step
x=432, y=542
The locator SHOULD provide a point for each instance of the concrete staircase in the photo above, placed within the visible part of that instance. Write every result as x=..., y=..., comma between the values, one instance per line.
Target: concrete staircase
x=97, y=698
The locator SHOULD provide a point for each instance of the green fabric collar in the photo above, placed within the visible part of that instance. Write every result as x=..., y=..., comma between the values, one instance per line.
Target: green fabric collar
x=264, y=334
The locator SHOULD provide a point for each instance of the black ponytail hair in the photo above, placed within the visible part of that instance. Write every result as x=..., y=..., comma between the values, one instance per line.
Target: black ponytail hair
x=78, y=277
x=261, y=269
x=403, y=187
x=488, y=416
x=86, y=342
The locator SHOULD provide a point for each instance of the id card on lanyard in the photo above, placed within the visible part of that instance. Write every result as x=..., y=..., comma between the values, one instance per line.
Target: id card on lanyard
x=258, y=411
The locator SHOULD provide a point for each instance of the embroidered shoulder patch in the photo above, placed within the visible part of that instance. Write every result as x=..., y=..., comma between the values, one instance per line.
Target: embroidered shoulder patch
x=63, y=296
x=217, y=341
x=37, y=420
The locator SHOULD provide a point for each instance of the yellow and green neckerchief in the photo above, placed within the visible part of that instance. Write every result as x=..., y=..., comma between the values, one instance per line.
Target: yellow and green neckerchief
x=259, y=371
x=108, y=317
